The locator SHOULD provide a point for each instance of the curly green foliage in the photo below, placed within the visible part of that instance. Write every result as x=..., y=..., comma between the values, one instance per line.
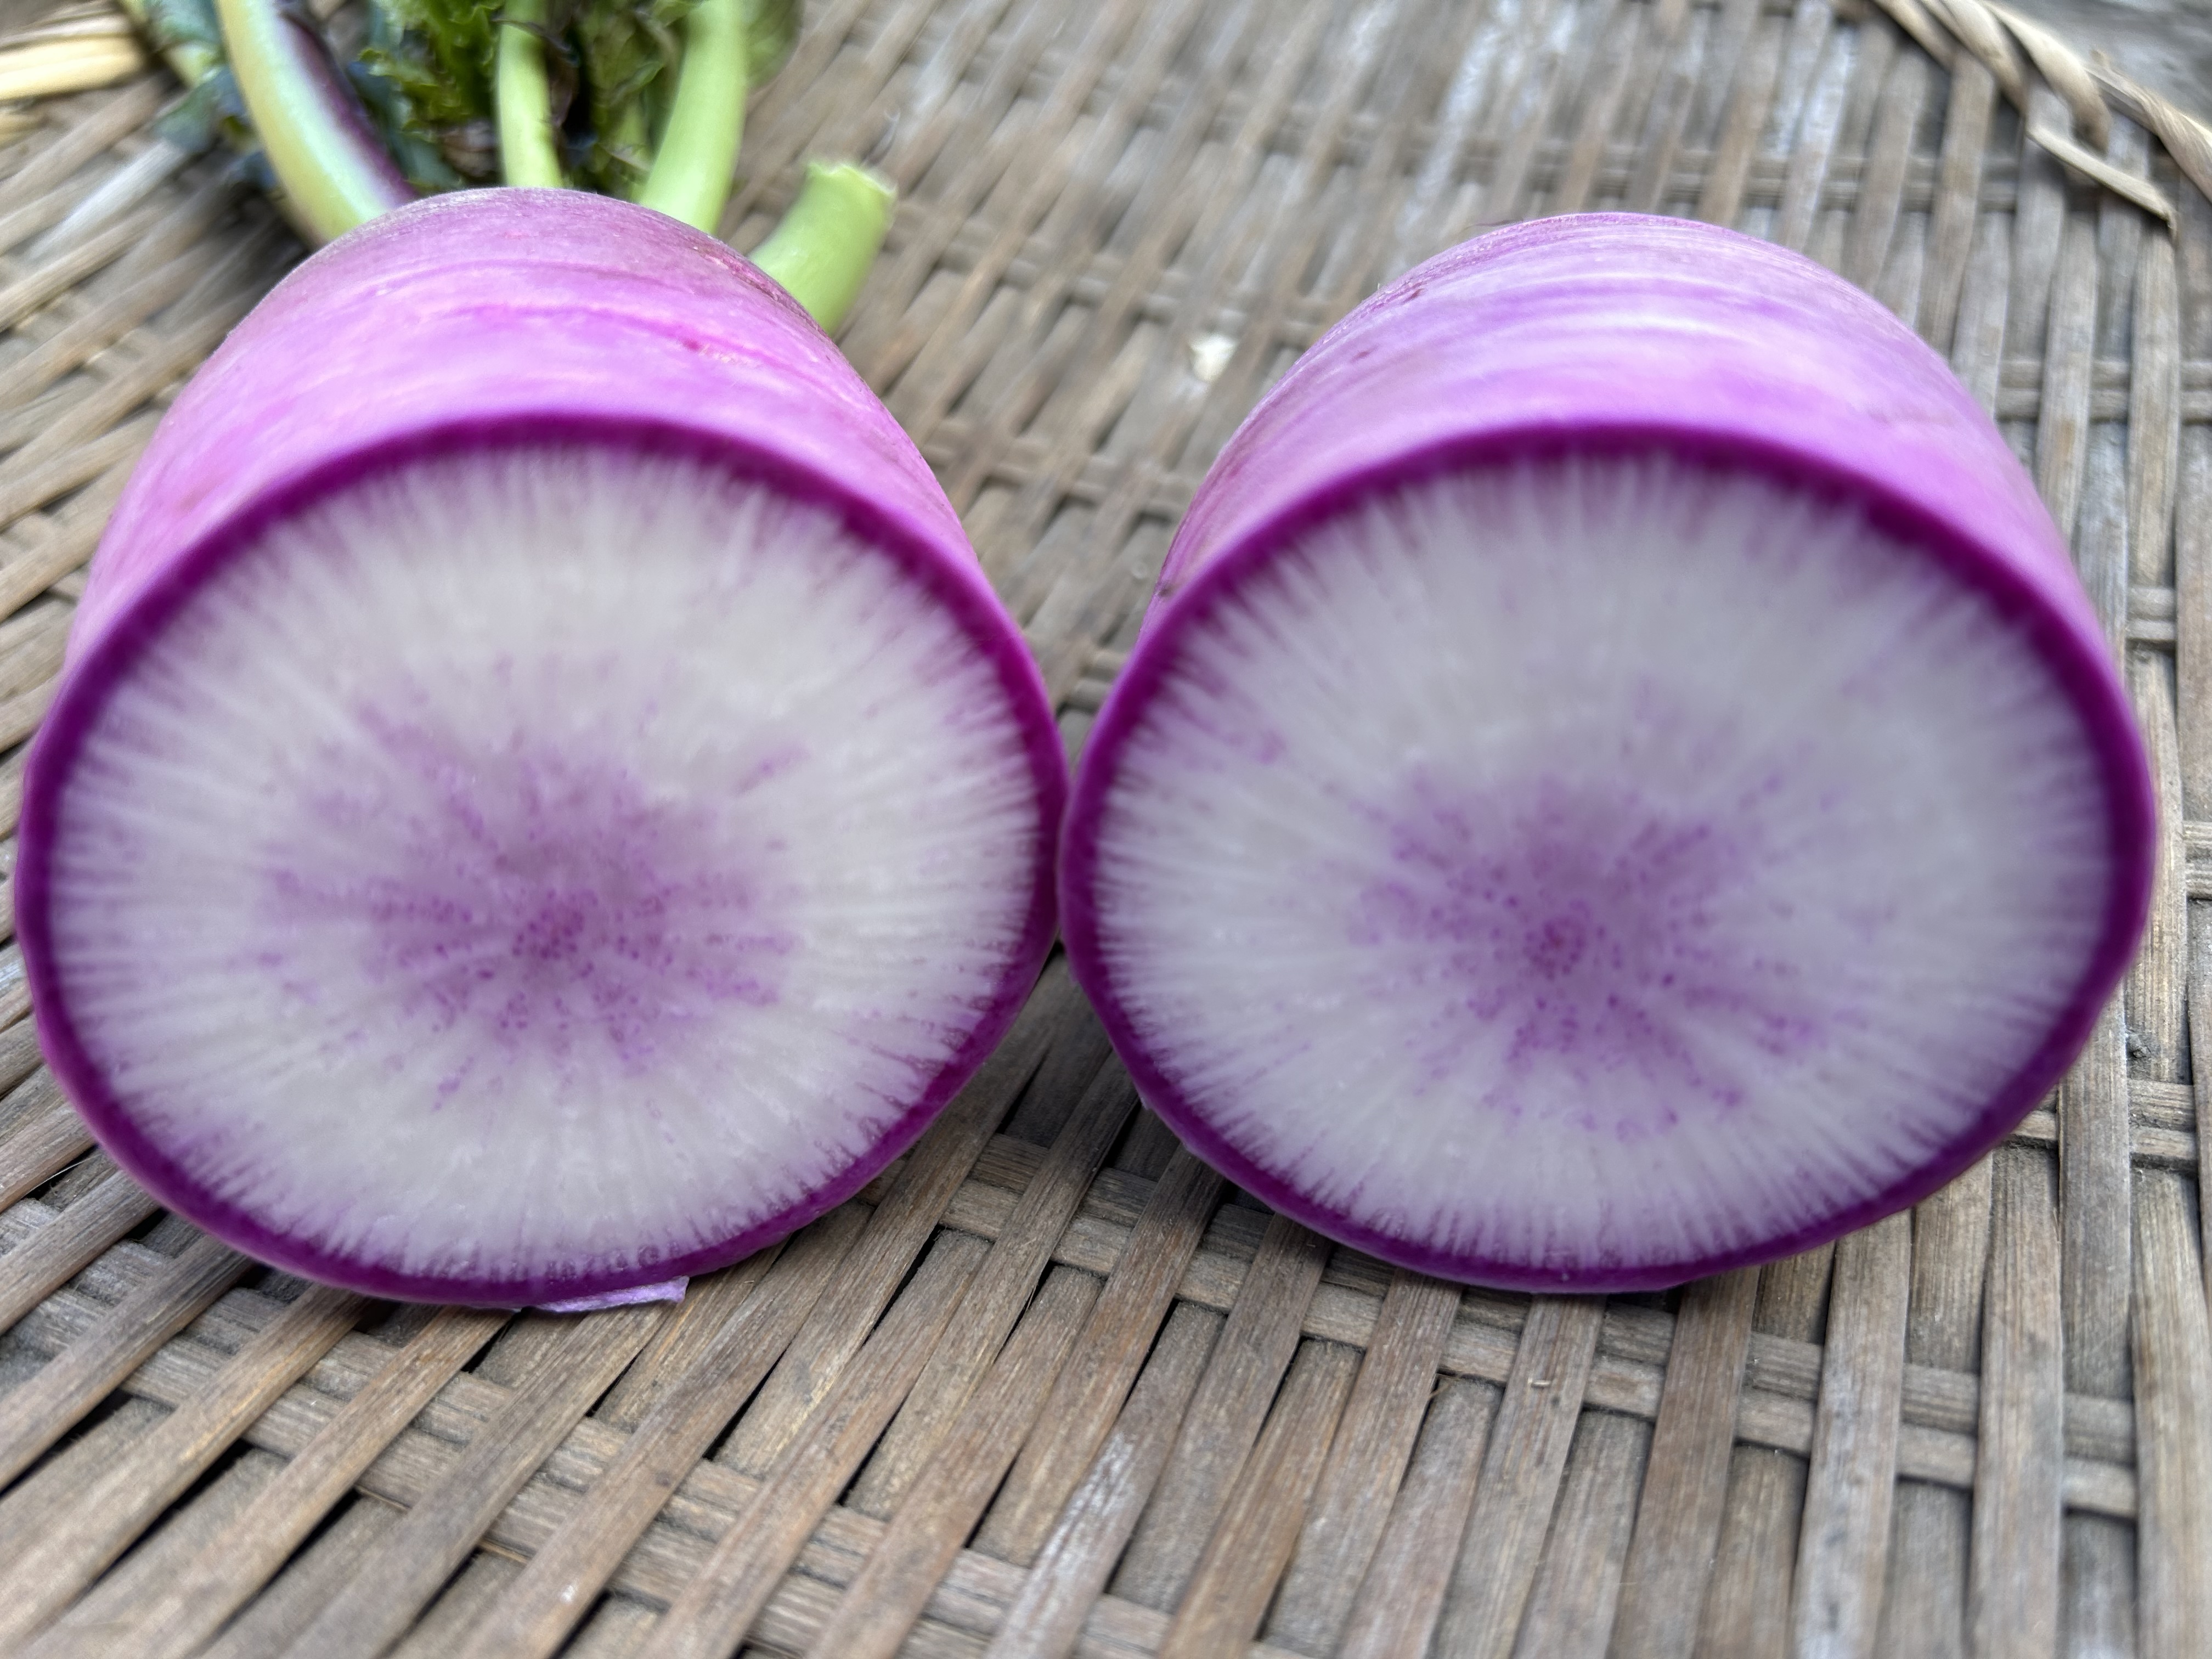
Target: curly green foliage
x=427, y=76
x=630, y=51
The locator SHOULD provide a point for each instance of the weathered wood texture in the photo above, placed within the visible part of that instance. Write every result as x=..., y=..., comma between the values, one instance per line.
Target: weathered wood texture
x=1047, y=1387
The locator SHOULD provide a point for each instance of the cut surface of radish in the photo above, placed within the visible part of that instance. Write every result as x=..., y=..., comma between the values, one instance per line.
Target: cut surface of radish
x=538, y=854
x=542, y=854
x=1594, y=856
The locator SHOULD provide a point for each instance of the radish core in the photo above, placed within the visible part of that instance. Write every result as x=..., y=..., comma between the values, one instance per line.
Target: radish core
x=1593, y=865
x=531, y=864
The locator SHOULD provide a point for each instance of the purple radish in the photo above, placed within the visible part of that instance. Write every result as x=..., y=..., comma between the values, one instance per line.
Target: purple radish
x=1619, y=779
x=542, y=799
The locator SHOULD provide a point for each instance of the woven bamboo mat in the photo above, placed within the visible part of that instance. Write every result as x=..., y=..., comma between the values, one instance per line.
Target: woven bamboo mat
x=1047, y=1387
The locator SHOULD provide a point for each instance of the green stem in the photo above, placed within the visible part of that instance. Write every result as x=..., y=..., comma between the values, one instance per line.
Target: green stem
x=333, y=172
x=822, y=251
x=523, y=100
x=190, y=59
x=690, y=175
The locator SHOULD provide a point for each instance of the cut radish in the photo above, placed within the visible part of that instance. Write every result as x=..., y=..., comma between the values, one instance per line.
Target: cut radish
x=543, y=801
x=1620, y=779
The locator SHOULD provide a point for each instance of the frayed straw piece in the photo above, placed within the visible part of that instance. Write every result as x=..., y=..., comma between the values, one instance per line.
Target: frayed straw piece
x=1933, y=34
x=2066, y=69
x=2086, y=162
x=77, y=62
x=2187, y=139
x=1978, y=31
x=2090, y=88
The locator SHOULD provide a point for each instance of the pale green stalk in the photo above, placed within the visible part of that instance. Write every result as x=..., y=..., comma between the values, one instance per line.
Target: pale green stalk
x=528, y=152
x=334, y=173
x=690, y=175
x=823, y=249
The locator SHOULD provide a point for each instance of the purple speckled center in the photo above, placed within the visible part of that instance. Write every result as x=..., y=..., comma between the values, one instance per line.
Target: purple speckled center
x=545, y=901
x=1588, y=927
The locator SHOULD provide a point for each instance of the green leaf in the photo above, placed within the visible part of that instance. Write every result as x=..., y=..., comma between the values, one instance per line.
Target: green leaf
x=426, y=76
x=437, y=54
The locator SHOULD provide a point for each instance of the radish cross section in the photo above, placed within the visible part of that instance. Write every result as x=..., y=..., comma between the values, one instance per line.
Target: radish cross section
x=1598, y=852
x=551, y=855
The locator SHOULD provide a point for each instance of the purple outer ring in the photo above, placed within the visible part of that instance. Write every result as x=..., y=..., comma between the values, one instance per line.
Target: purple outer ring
x=91, y=679
x=1199, y=575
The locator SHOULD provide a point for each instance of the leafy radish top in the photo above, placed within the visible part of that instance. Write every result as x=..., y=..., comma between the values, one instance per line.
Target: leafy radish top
x=643, y=102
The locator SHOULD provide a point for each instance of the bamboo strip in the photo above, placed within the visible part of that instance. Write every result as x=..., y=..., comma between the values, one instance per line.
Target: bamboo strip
x=394, y=1580
x=1573, y=1605
x=535, y=1613
x=1747, y=1600
x=39, y=1412
x=2038, y=229
x=113, y=120
x=237, y=1559
x=1251, y=1544
x=2094, y=1201
x=1781, y=1376
x=1352, y=1502
x=54, y=1254
x=71, y=1547
x=1818, y=124
x=710, y=1616
x=1141, y=1289
x=47, y=281
x=933, y=367
x=886, y=1598
x=1924, y=1610
x=2155, y=990
x=2062, y=428
x=40, y=1135
x=1403, y=1594
x=2013, y=1606
x=1648, y=191
x=102, y=1621
x=1528, y=1451
x=1594, y=134
x=896, y=1233
x=2173, y=1404
x=1057, y=1596
x=2154, y=415
x=1841, y=1564
x=2200, y=1024
x=1223, y=1419
x=1722, y=199
x=1881, y=190
x=1678, y=1519
x=994, y=1300
x=48, y=68
x=694, y=1325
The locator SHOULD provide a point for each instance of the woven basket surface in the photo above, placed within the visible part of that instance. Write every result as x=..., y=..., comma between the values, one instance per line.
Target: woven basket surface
x=1047, y=1386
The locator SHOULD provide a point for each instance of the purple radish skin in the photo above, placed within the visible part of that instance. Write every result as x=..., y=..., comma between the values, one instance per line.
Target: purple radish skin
x=1620, y=779
x=542, y=800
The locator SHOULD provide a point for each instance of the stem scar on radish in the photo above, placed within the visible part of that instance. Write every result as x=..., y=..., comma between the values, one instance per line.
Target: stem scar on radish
x=1619, y=779
x=542, y=799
